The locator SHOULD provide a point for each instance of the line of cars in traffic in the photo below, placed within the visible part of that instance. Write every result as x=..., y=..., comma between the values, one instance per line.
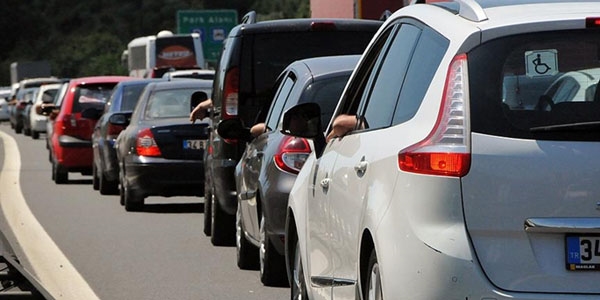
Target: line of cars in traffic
x=468, y=170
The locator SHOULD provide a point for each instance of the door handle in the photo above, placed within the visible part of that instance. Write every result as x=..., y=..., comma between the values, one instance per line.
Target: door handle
x=361, y=167
x=325, y=183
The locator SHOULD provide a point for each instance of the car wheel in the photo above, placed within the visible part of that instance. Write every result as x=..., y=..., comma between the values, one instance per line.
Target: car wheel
x=132, y=201
x=373, y=285
x=26, y=131
x=59, y=174
x=272, y=264
x=107, y=187
x=18, y=129
x=35, y=135
x=95, y=181
x=222, y=227
x=207, y=210
x=247, y=254
x=298, y=288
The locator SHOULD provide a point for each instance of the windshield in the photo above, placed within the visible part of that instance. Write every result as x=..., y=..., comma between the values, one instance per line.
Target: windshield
x=537, y=86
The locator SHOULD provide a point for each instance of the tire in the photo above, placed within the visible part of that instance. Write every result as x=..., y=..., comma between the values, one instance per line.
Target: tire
x=298, y=288
x=247, y=254
x=372, y=290
x=207, y=212
x=95, y=180
x=59, y=174
x=132, y=201
x=107, y=187
x=272, y=264
x=35, y=134
x=26, y=132
x=18, y=129
x=222, y=227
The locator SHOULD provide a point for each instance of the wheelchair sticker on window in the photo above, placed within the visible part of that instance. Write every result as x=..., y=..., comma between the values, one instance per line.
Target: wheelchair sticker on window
x=541, y=62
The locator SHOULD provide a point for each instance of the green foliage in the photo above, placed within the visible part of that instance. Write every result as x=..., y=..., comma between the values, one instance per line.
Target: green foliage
x=82, y=38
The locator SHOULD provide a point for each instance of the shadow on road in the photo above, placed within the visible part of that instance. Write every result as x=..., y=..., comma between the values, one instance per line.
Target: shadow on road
x=79, y=181
x=174, y=208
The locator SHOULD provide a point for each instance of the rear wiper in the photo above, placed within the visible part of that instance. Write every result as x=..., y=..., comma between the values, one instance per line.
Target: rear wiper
x=595, y=125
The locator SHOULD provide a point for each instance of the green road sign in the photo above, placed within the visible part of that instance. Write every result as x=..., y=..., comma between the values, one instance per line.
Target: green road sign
x=212, y=25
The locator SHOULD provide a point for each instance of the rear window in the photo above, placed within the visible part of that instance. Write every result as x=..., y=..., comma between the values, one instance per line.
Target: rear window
x=537, y=86
x=173, y=103
x=91, y=96
x=272, y=53
x=131, y=94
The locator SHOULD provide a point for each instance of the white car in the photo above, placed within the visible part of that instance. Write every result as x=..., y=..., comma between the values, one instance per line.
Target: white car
x=37, y=121
x=190, y=74
x=441, y=190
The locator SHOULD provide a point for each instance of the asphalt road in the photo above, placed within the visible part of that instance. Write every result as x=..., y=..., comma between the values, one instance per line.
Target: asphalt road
x=87, y=244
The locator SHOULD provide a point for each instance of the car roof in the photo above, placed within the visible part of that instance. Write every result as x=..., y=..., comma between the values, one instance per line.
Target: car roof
x=100, y=79
x=183, y=83
x=328, y=65
x=304, y=24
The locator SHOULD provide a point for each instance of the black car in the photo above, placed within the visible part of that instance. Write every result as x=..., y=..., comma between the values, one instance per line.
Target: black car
x=269, y=166
x=105, y=169
x=161, y=153
x=253, y=55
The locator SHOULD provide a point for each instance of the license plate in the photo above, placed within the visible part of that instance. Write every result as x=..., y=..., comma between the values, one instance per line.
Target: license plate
x=193, y=144
x=583, y=253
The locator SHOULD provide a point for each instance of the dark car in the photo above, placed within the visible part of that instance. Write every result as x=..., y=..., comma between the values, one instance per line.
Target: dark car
x=161, y=153
x=253, y=55
x=268, y=168
x=22, y=109
x=71, y=139
x=105, y=170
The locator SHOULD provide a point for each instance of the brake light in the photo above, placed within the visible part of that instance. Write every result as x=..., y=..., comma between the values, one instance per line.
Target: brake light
x=230, y=99
x=322, y=26
x=145, y=143
x=291, y=154
x=592, y=22
x=446, y=150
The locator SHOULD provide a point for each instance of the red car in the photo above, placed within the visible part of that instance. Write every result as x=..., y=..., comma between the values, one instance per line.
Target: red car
x=71, y=140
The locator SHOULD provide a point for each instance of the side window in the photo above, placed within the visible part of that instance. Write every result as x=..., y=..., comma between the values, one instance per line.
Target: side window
x=390, y=78
x=424, y=63
x=279, y=101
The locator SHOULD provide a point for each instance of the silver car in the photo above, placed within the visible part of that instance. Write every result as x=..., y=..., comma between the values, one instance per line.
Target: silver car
x=441, y=188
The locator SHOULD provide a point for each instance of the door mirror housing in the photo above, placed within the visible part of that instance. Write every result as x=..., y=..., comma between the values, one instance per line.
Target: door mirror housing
x=234, y=129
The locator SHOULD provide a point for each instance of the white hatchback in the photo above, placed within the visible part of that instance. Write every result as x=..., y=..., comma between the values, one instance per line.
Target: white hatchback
x=445, y=187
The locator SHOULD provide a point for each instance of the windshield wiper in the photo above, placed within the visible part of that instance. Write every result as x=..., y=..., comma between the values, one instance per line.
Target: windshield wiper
x=580, y=126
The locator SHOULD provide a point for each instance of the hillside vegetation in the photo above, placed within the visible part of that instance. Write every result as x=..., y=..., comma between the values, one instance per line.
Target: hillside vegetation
x=82, y=38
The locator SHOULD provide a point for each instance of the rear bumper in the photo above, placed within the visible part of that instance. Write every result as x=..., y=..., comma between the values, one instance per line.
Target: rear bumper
x=74, y=154
x=161, y=177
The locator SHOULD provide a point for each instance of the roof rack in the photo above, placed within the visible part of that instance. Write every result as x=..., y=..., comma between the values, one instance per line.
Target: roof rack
x=249, y=18
x=468, y=9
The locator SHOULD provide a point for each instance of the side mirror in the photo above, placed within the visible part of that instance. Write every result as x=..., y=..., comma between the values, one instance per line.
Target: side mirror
x=233, y=129
x=92, y=113
x=304, y=120
x=121, y=119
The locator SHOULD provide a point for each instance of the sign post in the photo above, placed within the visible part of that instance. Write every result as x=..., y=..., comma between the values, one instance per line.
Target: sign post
x=212, y=25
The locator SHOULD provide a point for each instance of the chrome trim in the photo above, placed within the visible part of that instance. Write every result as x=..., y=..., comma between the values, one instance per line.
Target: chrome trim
x=321, y=282
x=562, y=225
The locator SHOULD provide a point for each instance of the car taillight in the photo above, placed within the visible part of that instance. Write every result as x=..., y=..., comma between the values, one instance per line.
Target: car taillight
x=592, y=22
x=322, y=26
x=291, y=154
x=446, y=150
x=69, y=122
x=145, y=144
x=112, y=130
x=230, y=99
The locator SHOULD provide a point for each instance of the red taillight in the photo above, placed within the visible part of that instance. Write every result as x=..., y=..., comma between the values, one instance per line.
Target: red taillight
x=145, y=144
x=592, y=22
x=292, y=154
x=230, y=98
x=322, y=26
x=112, y=131
x=446, y=150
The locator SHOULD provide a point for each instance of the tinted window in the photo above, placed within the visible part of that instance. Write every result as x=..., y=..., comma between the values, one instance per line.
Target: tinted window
x=425, y=61
x=390, y=77
x=91, y=95
x=537, y=86
x=173, y=103
x=131, y=95
x=279, y=101
x=326, y=92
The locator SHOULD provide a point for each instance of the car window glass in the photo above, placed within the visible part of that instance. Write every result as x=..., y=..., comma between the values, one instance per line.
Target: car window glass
x=131, y=94
x=537, y=86
x=424, y=63
x=389, y=79
x=279, y=101
x=91, y=96
x=173, y=103
x=326, y=92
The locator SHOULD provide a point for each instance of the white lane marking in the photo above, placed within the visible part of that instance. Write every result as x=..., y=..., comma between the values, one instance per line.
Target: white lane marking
x=50, y=265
